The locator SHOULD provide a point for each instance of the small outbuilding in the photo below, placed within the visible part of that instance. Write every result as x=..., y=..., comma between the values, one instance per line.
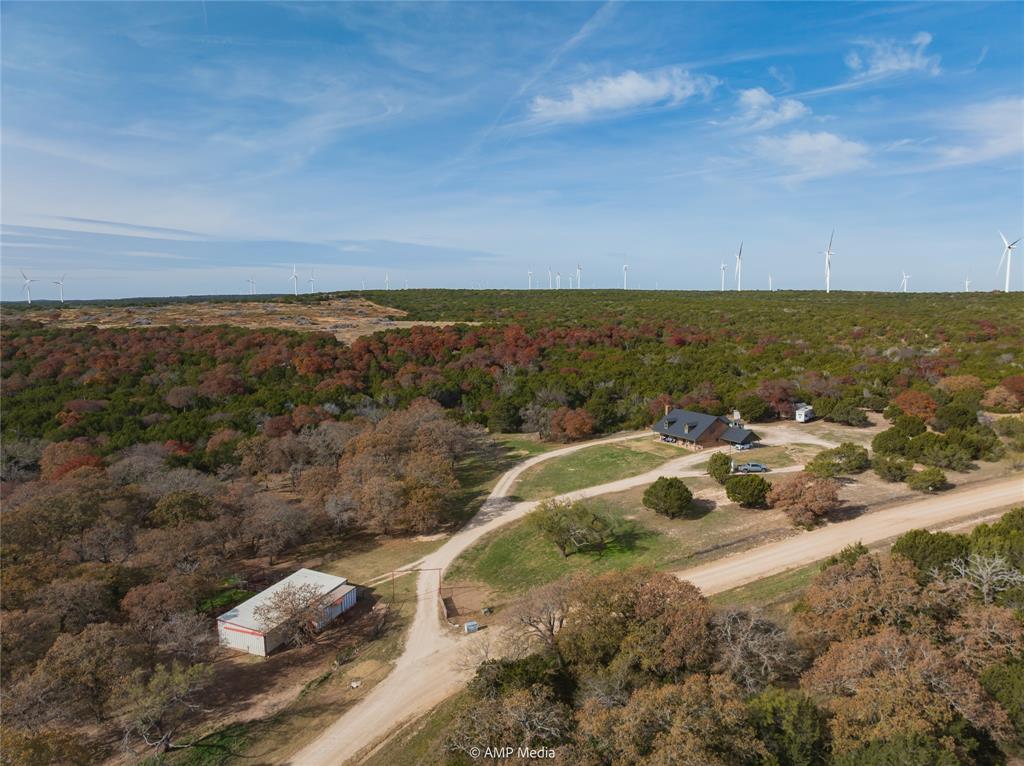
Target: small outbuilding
x=241, y=629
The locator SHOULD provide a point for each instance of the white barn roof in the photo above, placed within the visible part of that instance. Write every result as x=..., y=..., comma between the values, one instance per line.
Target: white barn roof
x=243, y=615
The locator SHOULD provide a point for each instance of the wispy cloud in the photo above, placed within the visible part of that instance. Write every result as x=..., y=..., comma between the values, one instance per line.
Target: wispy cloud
x=807, y=155
x=872, y=61
x=623, y=93
x=883, y=58
x=986, y=131
x=760, y=110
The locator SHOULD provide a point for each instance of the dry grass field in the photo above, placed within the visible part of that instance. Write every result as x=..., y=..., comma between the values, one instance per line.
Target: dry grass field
x=345, y=318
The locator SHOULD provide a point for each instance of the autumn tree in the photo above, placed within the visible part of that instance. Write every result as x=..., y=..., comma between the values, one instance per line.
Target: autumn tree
x=804, y=498
x=888, y=684
x=916, y=404
x=569, y=425
x=701, y=720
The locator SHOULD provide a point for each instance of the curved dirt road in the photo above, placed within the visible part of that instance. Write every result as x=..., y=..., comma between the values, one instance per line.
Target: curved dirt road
x=429, y=671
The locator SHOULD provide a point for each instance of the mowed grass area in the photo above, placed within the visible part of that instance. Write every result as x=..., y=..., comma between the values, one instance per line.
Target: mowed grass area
x=776, y=595
x=525, y=445
x=595, y=465
x=514, y=559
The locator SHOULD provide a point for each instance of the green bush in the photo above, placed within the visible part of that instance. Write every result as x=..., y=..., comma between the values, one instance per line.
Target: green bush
x=847, y=458
x=931, y=550
x=891, y=442
x=669, y=497
x=753, y=408
x=1005, y=682
x=847, y=555
x=929, y=480
x=720, y=467
x=848, y=411
x=893, y=469
x=790, y=726
x=749, y=491
x=905, y=750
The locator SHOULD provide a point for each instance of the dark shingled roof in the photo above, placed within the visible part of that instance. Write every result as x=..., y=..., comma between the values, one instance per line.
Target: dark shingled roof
x=737, y=435
x=689, y=426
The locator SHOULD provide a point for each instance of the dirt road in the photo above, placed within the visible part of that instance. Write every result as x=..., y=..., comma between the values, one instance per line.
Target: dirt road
x=808, y=547
x=429, y=670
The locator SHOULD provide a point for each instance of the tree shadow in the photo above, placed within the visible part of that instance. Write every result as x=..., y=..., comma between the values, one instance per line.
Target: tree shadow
x=699, y=508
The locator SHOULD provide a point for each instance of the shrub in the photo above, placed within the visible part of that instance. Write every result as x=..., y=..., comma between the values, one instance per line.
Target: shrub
x=891, y=442
x=1005, y=682
x=892, y=468
x=669, y=497
x=844, y=459
x=790, y=726
x=720, y=467
x=753, y=408
x=848, y=411
x=931, y=550
x=929, y=480
x=749, y=491
x=955, y=415
x=909, y=426
x=847, y=555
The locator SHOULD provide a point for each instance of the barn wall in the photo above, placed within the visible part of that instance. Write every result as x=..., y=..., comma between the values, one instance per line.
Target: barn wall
x=243, y=639
x=331, y=612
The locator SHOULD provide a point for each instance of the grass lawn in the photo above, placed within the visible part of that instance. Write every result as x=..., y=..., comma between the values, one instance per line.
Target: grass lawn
x=782, y=587
x=514, y=559
x=595, y=465
x=525, y=445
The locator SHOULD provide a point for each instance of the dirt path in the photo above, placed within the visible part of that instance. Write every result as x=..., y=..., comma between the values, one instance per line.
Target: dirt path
x=808, y=547
x=429, y=670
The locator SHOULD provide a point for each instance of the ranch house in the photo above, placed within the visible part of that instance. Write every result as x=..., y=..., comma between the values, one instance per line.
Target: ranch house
x=697, y=430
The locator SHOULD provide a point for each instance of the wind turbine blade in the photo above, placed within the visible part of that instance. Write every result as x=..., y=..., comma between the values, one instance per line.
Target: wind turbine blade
x=1001, y=259
x=1003, y=237
x=1014, y=243
x=831, y=237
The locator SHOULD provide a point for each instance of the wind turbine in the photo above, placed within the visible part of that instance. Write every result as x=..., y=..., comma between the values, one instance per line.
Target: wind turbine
x=252, y=285
x=739, y=269
x=529, y=280
x=904, y=281
x=558, y=280
x=60, y=286
x=967, y=283
x=387, y=281
x=311, y=281
x=550, y=283
x=722, y=288
x=579, y=276
x=295, y=280
x=828, y=263
x=625, y=271
x=570, y=281
x=1007, y=256
x=27, y=286
x=770, y=284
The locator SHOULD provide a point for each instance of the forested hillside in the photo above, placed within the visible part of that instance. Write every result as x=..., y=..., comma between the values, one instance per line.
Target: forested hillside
x=153, y=477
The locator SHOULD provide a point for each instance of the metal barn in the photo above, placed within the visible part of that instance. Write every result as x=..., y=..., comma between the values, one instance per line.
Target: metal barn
x=239, y=629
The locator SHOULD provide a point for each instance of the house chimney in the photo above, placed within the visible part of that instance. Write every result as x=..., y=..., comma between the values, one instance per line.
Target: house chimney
x=667, y=408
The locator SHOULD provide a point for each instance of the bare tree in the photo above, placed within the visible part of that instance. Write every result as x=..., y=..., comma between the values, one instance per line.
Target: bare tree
x=187, y=634
x=753, y=651
x=987, y=575
x=542, y=613
x=292, y=610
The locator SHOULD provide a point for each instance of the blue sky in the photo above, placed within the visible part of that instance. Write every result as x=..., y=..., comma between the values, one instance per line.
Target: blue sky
x=155, y=149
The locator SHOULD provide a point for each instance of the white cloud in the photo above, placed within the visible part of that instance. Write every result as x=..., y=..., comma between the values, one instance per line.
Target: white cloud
x=813, y=155
x=622, y=93
x=882, y=58
x=761, y=110
x=988, y=131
